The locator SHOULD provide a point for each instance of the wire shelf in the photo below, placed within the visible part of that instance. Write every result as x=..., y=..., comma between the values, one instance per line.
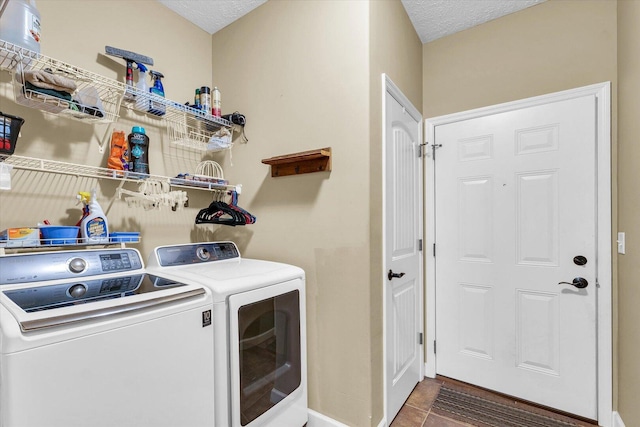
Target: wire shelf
x=51, y=166
x=95, y=99
x=98, y=99
x=186, y=126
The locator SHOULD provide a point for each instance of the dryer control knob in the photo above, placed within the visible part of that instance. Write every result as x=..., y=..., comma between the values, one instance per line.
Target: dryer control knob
x=77, y=265
x=78, y=290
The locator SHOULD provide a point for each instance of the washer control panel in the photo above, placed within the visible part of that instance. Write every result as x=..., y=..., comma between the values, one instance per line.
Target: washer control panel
x=197, y=253
x=72, y=293
x=39, y=267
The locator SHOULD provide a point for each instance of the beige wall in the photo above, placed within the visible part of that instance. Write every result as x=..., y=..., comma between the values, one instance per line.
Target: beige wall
x=299, y=71
x=311, y=83
x=395, y=50
x=76, y=32
x=307, y=75
x=629, y=210
x=554, y=46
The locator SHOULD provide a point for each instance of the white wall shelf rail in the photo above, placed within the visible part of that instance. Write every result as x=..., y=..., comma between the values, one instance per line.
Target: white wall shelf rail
x=51, y=166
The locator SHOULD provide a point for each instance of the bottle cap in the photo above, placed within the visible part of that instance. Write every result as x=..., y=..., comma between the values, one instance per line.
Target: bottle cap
x=138, y=129
x=197, y=91
x=205, y=89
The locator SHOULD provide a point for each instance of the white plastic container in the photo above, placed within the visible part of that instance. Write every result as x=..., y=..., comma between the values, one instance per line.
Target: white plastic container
x=20, y=23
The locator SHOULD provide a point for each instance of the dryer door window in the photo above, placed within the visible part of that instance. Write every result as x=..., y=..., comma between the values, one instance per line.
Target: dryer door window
x=269, y=353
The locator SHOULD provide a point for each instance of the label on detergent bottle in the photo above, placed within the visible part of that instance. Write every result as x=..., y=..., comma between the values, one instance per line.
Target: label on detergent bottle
x=96, y=228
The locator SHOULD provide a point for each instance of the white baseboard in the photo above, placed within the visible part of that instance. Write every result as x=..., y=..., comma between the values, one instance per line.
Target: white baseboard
x=316, y=419
x=617, y=421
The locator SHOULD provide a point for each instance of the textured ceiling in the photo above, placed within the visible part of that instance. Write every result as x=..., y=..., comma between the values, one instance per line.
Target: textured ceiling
x=432, y=19
x=212, y=15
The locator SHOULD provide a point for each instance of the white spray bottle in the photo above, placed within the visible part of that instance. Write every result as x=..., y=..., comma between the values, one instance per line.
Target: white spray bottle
x=142, y=98
x=94, y=227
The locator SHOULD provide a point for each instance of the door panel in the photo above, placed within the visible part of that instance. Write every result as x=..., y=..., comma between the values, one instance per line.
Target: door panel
x=514, y=204
x=403, y=293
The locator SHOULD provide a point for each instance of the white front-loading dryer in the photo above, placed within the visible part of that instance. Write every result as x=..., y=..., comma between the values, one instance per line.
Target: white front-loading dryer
x=259, y=327
x=88, y=338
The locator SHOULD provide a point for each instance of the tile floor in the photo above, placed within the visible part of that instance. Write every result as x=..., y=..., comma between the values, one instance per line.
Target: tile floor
x=416, y=411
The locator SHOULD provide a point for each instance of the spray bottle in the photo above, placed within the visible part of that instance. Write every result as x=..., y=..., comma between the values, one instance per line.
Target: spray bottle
x=93, y=226
x=142, y=99
x=156, y=107
x=84, y=198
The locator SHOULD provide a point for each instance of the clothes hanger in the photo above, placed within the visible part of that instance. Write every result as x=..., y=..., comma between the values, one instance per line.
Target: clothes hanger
x=220, y=212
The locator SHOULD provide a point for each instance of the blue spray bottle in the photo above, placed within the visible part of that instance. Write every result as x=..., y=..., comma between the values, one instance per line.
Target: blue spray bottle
x=156, y=107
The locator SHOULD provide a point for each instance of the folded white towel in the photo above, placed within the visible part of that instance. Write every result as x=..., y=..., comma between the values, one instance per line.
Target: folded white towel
x=46, y=80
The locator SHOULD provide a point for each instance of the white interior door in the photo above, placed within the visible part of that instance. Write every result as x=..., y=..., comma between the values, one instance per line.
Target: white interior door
x=515, y=210
x=402, y=231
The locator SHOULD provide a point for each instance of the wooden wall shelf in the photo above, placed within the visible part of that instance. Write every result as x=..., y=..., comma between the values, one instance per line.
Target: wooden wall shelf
x=298, y=163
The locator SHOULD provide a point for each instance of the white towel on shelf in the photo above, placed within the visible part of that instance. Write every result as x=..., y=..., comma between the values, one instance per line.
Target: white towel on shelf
x=46, y=80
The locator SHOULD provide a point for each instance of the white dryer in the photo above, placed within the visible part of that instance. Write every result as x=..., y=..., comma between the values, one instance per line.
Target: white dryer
x=87, y=338
x=259, y=328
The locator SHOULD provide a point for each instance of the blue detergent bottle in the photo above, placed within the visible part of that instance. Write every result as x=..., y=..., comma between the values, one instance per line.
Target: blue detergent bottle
x=139, y=149
x=156, y=107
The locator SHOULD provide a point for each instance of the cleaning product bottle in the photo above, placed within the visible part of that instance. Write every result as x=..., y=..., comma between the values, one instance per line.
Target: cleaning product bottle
x=94, y=227
x=196, y=100
x=139, y=148
x=205, y=99
x=84, y=198
x=156, y=107
x=142, y=99
x=20, y=24
x=217, y=103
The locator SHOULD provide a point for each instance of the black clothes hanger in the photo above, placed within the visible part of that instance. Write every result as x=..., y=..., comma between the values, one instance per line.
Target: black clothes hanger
x=219, y=212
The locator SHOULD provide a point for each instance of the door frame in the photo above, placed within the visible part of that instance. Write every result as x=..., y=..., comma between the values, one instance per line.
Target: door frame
x=389, y=87
x=602, y=92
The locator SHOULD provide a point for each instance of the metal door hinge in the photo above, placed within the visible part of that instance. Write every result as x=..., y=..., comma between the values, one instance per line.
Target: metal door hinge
x=420, y=245
x=434, y=250
x=434, y=147
x=420, y=338
x=434, y=346
x=421, y=151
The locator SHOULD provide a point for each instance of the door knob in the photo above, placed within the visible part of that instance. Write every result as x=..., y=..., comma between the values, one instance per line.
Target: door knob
x=391, y=275
x=578, y=282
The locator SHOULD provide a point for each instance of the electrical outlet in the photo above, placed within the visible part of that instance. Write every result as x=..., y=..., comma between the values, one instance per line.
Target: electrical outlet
x=621, y=242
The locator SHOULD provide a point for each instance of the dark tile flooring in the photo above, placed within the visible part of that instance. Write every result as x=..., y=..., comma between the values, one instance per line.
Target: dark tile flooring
x=416, y=411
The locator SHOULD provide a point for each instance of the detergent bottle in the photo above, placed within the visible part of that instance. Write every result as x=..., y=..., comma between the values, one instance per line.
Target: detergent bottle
x=93, y=226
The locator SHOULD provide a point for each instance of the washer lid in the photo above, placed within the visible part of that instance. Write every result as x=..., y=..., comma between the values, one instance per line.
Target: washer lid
x=43, y=306
x=230, y=277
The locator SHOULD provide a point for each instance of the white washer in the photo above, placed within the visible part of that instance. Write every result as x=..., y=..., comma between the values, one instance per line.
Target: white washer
x=259, y=327
x=87, y=338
